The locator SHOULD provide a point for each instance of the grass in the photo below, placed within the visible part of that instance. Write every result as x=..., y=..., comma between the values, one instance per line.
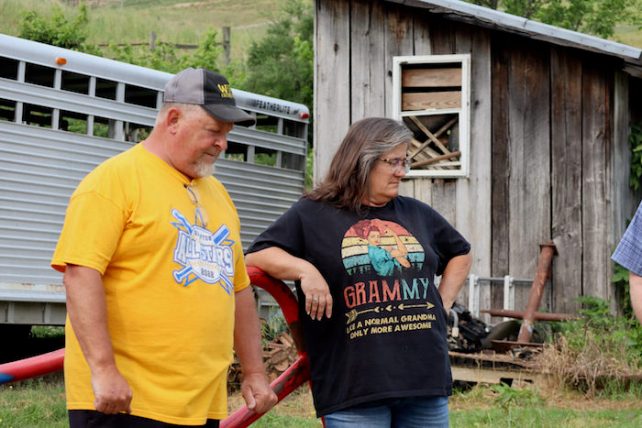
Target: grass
x=40, y=404
x=183, y=22
x=37, y=403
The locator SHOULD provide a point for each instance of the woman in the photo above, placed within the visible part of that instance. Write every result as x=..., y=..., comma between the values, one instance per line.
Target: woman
x=376, y=331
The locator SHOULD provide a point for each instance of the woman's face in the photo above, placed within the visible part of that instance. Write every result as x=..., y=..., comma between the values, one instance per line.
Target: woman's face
x=384, y=179
x=374, y=237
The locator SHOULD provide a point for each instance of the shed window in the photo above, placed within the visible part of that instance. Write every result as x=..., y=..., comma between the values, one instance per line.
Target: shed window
x=431, y=96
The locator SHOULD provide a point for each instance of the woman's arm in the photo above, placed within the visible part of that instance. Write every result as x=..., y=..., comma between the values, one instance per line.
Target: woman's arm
x=453, y=279
x=282, y=265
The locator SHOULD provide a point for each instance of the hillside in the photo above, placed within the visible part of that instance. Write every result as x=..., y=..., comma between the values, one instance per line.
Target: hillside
x=173, y=21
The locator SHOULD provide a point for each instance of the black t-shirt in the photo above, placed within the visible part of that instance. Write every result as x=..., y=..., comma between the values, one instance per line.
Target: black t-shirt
x=387, y=334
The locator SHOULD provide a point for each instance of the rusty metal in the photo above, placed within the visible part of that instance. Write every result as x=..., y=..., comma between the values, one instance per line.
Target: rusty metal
x=538, y=316
x=544, y=263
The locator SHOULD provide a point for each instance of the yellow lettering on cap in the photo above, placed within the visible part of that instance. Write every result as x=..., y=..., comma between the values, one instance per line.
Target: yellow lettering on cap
x=226, y=91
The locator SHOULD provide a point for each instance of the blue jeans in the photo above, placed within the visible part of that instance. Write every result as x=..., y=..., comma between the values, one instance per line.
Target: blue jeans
x=412, y=412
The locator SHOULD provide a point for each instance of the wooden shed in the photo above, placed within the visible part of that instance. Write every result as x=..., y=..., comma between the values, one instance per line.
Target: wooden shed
x=539, y=147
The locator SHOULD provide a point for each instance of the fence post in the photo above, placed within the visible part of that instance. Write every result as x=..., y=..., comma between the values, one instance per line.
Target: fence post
x=227, y=44
x=152, y=41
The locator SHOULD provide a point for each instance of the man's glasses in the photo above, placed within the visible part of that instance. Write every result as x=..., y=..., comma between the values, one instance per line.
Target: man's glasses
x=201, y=214
x=398, y=164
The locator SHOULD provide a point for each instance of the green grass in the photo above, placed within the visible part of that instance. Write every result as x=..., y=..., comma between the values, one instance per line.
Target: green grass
x=40, y=404
x=545, y=417
x=183, y=22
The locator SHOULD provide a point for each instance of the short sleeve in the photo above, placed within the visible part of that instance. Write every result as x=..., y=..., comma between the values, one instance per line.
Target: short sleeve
x=285, y=233
x=629, y=251
x=91, y=232
x=447, y=241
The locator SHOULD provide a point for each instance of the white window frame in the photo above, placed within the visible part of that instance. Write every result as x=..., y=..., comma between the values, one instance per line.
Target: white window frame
x=463, y=112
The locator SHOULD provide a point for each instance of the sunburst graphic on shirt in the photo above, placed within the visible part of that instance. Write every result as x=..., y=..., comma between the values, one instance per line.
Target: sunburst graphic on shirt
x=203, y=254
x=380, y=246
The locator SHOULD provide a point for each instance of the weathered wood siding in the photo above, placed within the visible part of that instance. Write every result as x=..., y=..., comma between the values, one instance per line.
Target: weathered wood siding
x=545, y=157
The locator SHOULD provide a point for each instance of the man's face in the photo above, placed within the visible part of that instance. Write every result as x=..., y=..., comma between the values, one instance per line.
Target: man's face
x=200, y=139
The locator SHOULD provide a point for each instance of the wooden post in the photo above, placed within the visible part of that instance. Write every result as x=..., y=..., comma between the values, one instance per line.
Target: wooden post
x=152, y=41
x=227, y=38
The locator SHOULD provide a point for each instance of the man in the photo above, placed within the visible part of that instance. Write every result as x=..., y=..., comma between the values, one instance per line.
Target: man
x=156, y=284
x=629, y=254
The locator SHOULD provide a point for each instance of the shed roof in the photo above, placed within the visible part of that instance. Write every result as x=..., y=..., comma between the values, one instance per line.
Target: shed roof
x=496, y=20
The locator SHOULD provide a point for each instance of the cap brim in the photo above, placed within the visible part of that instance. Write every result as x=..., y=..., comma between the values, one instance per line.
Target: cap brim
x=228, y=113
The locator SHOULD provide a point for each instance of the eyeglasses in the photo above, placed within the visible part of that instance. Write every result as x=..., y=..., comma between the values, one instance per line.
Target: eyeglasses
x=398, y=164
x=201, y=214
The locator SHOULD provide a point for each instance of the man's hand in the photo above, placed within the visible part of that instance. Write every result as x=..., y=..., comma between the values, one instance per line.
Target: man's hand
x=112, y=392
x=257, y=393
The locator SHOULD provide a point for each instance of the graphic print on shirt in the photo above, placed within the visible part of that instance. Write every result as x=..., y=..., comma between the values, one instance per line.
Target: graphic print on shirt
x=204, y=255
x=391, y=296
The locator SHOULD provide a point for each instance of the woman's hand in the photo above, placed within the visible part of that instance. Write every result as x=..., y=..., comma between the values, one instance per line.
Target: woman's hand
x=318, y=299
x=283, y=265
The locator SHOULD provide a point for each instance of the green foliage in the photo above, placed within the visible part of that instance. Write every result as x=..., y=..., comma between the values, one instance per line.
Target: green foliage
x=507, y=397
x=635, y=142
x=616, y=337
x=166, y=57
x=273, y=328
x=281, y=64
x=44, y=331
x=596, y=17
x=58, y=30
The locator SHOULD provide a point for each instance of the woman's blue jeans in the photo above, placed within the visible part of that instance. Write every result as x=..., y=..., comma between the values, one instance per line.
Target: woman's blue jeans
x=412, y=412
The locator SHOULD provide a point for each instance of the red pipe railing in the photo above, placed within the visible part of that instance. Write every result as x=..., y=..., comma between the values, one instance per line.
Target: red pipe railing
x=297, y=374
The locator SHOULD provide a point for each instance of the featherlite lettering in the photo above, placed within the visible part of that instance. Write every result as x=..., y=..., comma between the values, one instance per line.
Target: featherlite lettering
x=381, y=291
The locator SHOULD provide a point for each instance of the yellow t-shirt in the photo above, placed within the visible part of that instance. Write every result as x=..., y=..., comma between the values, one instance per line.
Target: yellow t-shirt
x=169, y=284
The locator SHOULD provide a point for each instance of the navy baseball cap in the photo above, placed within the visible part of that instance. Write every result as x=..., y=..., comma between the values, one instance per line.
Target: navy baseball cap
x=210, y=90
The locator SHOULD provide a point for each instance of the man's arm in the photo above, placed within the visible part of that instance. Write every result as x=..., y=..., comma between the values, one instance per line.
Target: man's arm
x=87, y=312
x=635, y=291
x=255, y=387
x=282, y=265
x=453, y=279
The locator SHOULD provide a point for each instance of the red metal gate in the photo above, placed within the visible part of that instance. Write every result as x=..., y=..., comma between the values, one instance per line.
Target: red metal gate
x=297, y=374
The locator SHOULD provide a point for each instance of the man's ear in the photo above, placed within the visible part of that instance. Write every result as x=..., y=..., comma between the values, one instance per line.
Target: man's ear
x=172, y=117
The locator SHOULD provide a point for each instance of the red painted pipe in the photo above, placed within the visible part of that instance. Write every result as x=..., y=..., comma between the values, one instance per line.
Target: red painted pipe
x=297, y=374
x=32, y=367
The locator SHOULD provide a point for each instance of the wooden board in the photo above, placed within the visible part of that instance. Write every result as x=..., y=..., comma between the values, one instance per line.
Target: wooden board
x=398, y=41
x=495, y=376
x=566, y=179
x=431, y=77
x=500, y=170
x=529, y=158
x=473, y=195
x=430, y=100
x=331, y=80
x=596, y=152
x=366, y=59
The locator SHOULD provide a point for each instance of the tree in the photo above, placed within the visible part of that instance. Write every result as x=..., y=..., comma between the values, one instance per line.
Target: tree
x=596, y=17
x=281, y=64
x=59, y=30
